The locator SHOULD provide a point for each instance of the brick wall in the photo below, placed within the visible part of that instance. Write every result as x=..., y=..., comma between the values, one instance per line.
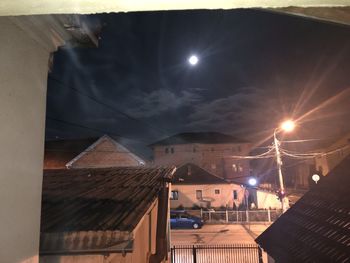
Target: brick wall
x=106, y=154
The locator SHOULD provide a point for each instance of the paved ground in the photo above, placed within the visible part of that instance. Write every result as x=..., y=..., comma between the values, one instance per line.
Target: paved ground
x=217, y=234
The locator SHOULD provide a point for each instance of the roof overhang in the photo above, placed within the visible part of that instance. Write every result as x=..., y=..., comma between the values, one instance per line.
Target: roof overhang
x=32, y=7
x=86, y=242
x=53, y=31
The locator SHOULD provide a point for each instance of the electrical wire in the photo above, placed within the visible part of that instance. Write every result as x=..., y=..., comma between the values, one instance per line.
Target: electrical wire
x=92, y=129
x=113, y=109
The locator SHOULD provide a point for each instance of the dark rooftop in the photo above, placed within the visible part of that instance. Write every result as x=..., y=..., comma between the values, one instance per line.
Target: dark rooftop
x=199, y=137
x=317, y=227
x=192, y=174
x=59, y=152
x=99, y=199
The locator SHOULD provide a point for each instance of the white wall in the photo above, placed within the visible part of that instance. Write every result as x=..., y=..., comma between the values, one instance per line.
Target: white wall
x=266, y=200
x=23, y=77
x=187, y=195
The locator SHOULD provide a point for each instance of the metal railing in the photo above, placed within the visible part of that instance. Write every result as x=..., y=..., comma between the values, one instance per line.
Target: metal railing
x=233, y=253
x=238, y=216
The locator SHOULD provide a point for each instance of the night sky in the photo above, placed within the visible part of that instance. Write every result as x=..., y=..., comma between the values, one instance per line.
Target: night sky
x=255, y=68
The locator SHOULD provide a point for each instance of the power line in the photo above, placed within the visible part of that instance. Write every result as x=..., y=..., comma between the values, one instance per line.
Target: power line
x=106, y=105
x=92, y=129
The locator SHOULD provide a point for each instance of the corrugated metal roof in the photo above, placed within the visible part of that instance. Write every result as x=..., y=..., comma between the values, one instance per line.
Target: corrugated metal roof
x=317, y=227
x=99, y=199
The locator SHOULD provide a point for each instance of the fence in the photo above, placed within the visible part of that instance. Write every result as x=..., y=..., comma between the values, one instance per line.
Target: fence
x=237, y=216
x=233, y=253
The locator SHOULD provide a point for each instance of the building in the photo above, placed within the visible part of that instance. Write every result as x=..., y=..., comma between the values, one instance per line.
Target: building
x=194, y=187
x=212, y=151
x=331, y=154
x=335, y=153
x=105, y=215
x=316, y=228
x=88, y=153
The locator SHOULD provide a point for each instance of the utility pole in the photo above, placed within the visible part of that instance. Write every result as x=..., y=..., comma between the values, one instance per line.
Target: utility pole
x=279, y=168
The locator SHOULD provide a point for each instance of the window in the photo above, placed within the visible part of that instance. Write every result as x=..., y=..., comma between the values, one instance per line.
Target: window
x=199, y=194
x=240, y=168
x=172, y=150
x=173, y=216
x=174, y=195
x=213, y=166
x=166, y=150
x=217, y=191
x=235, y=195
x=212, y=149
x=239, y=148
x=194, y=149
x=234, y=167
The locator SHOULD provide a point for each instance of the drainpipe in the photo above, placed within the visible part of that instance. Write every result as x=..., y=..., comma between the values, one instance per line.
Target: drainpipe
x=162, y=223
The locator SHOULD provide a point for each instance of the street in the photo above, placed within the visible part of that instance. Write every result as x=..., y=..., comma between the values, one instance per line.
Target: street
x=217, y=234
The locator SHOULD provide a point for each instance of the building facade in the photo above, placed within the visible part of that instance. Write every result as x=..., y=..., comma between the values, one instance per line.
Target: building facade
x=194, y=187
x=214, y=152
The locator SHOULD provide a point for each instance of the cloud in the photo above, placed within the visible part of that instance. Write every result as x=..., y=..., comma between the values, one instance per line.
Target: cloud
x=247, y=108
x=159, y=102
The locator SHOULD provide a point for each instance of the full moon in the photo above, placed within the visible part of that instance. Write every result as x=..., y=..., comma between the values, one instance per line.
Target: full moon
x=193, y=60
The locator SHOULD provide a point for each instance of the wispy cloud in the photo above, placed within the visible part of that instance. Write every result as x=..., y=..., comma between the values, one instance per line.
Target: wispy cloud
x=159, y=102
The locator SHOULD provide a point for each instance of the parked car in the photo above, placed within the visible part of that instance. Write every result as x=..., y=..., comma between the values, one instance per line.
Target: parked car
x=180, y=219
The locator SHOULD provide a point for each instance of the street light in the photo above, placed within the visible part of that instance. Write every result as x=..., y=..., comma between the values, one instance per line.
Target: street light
x=252, y=181
x=286, y=126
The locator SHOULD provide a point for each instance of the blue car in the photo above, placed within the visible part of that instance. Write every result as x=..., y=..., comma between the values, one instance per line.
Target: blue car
x=180, y=219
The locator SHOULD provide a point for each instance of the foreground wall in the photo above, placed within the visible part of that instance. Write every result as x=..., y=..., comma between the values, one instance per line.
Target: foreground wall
x=23, y=77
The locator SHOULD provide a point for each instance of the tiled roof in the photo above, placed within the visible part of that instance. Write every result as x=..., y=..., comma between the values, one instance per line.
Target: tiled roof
x=199, y=137
x=190, y=173
x=59, y=152
x=317, y=227
x=99, y=199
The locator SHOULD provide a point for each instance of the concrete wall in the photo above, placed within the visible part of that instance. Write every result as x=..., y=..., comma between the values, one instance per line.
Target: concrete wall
x=106, y=154
x=215, y=158
x=187, y=195
x=23, y=78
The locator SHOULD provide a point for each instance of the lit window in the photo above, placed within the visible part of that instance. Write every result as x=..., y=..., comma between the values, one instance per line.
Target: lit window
x=234, y=167
x=199, y=194
x=217, y=191
x=213, y=166
x=235, y=195
x=240, y=168
x=174, y=195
